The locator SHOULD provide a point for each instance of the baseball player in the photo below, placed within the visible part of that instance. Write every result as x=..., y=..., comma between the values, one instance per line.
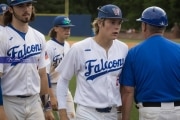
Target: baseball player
x=96, y=62
x=150, y=75
x=23, y=65
x=3, y=9
x=57, y=47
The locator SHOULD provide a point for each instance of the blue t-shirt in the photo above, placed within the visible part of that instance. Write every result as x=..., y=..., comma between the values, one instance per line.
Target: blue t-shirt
x=153, y=69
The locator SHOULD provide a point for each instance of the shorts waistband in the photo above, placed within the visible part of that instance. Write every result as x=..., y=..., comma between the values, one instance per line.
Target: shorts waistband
x=157, y=104
x=104, y=110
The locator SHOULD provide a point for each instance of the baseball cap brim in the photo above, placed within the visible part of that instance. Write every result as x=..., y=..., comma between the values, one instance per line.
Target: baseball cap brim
x=17, y=3
x=66, y=25
x=139, y=19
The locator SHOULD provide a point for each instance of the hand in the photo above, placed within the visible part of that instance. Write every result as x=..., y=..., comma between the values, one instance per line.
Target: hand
x=49, y=115
x=54, y=103
x=64, y=117
x=71, y=115
x=63, y=114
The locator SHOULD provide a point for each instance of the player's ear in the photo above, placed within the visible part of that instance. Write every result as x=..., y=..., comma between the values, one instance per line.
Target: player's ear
x=100, y=23
x=11, y=10
x=143, y=27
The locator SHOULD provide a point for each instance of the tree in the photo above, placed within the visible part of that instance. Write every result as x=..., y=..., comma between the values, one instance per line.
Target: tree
x=131, y=9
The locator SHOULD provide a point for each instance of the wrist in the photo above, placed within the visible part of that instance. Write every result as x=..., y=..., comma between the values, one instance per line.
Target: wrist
x=46, y=102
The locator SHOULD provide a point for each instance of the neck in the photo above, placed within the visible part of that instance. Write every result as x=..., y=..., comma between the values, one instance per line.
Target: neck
x=103, y=42
x=60, y=39
x=22, y=27
x=152, y=34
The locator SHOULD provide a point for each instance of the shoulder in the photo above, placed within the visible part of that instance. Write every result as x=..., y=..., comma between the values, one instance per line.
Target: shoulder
x=36, y=32
x=120, y=44
x=83, y=43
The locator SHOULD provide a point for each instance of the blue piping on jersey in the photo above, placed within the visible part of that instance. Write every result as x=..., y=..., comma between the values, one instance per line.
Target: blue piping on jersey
x=54, y=39
x=22, y=34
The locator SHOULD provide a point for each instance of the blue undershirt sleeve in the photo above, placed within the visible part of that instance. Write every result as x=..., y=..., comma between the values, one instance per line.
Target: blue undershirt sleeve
x=49, y=80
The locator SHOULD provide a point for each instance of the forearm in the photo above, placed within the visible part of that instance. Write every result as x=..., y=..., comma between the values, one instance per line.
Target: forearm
x=127, y=106
x=127, y=102
x=44, y=82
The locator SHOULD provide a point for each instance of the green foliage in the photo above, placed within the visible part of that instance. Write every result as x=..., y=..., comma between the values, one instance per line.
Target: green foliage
x=131, y=9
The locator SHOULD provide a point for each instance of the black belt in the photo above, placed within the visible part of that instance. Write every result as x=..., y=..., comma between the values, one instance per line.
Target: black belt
x=104, y=110
x=157, y=104
x=54, y=83
x=23, y=96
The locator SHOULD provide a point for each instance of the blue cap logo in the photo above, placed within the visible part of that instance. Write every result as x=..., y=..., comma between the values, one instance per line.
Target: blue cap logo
x=116, y=11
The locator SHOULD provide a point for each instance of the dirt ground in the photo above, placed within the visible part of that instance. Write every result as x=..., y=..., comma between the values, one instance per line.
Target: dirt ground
x=137, y=36
x=130, y=44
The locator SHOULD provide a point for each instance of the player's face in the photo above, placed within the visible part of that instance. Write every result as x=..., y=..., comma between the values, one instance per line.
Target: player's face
x=63, y=32
x=22, y=12
x=111, y=28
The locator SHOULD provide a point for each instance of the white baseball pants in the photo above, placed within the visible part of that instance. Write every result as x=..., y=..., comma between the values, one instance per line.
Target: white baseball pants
x=29, y=108
x=167, y=111
x=88, y=113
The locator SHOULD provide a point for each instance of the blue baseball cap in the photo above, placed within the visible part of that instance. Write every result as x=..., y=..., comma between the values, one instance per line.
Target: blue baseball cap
x=110, y=11
x=62, y=21
x=3, y=8
x=17, y=2
x=155, y=16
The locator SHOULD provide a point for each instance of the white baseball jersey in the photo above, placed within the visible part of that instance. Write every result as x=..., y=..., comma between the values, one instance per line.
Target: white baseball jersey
x=97, y=73
x=56, y=52
x=23, y=59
